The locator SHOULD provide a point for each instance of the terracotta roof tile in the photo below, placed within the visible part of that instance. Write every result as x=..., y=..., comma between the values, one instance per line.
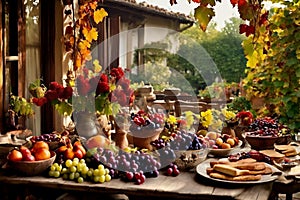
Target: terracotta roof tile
x=152, y=9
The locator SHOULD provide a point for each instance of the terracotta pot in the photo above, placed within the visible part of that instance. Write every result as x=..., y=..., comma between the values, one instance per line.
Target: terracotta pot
x=143, y=137
x=228, y=130
x=121, y=137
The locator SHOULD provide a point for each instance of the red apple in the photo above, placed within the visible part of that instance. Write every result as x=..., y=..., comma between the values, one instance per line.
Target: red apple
x=28, y=157
x=78, y=154
x=25, y=151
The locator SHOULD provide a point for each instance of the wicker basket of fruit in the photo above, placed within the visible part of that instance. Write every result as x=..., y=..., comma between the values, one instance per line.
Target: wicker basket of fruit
x=189, y=159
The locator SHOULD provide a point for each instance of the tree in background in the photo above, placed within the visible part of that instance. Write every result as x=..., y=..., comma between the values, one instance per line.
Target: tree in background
x=221, y=48
x=224, y=47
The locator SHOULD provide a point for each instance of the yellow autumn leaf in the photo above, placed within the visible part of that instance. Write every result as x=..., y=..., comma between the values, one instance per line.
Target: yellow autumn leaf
x=90, y=34
x=99, y=15
x=93, y=5
x=97, y=66
x=84, y=44
x=298, y=53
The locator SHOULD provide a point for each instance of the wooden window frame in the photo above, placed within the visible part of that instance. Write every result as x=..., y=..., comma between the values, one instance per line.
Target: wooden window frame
x=48, y=32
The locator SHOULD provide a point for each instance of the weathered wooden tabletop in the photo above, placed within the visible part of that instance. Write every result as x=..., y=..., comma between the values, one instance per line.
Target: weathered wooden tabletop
x=188, y=185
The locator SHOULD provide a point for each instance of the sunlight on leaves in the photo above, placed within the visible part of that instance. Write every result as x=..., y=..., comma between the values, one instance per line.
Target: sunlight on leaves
x=99, y=15
x=90, y=35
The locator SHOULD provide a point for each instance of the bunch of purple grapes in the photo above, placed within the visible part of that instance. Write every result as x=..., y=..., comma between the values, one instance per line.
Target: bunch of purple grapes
x=196, y=144
x=123, y=162
x=182, y=140
x=172, y=170
x=49, y=137
x=158, y=143
x=265, y=127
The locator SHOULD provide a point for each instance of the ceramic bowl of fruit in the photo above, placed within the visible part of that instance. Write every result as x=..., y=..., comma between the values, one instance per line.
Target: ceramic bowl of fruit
x=224, y=150
x=31, y=168
x=221, y=145
x=263, y=133
x=260, y=142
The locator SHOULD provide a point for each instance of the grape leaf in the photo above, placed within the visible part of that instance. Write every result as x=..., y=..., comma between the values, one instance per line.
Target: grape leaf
x=245, y=11
x=64, y=108
x=203, y=15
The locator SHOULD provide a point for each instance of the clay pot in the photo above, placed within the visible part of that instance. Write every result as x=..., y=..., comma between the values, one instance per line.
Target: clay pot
x=143, y=137
x=120, y=138
x=228, y=130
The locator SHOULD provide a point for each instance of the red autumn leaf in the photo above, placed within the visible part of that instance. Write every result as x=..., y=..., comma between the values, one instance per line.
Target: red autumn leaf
x=250, y=30
x=35, y=100
x=60, y=91
x=69, y=30
x=243, y=28
x=53, y=85
x=246, y=11
x=196, y=1
x=263, y=18
x=233, y=2
x=103, y=87
x=51, y=95
x=40, y=101
x=104, y=78
x=124, y=83
x=241, y=2
x=68, y=91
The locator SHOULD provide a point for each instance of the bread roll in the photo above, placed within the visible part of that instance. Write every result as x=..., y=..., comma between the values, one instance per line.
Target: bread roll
x=237, y=178
x=249, y=166
x=229, y=170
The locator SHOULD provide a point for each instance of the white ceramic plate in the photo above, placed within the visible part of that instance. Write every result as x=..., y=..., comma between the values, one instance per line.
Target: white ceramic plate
x=201, y=170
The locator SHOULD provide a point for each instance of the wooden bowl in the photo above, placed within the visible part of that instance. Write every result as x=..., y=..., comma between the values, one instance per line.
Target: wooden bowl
x=32, y=168
x=261, y=142
x=143, y=138
x=284, y=139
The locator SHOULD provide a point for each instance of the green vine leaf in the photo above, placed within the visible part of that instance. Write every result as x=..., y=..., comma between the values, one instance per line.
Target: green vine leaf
x=204, y=15
x=64, y=108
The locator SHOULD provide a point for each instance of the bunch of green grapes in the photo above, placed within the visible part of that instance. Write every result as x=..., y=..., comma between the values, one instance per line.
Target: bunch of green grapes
x=21, y=106
x=77, y=170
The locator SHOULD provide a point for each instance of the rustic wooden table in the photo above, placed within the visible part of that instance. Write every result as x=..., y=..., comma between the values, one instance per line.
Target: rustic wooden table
x=188, y=185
